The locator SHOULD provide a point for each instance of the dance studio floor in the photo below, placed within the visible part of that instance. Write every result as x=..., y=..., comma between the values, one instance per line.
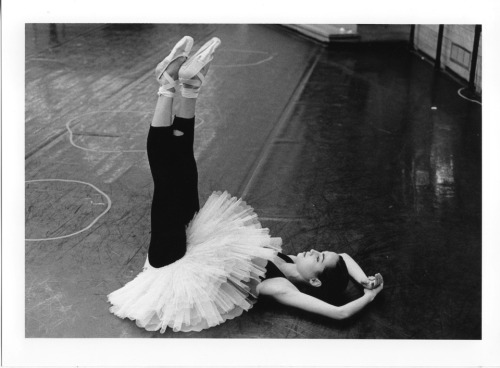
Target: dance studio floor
x=358, y=149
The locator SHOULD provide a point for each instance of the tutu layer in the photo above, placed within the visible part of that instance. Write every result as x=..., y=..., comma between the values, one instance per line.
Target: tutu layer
x=216, y=280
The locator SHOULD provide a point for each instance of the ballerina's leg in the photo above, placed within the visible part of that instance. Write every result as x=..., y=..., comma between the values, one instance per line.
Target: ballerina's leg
x=171, y=157
x=175, y=177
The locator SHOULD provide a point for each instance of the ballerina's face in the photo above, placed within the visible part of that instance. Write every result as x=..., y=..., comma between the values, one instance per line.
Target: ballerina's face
x=311, y=264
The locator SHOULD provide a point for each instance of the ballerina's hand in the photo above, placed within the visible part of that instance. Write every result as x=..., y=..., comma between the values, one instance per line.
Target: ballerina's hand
x=377, y=289
x=368, y=283
x=372, y=281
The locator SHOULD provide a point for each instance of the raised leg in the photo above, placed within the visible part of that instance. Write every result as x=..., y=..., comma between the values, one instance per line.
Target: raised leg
x=175, y=196
x=172, y=162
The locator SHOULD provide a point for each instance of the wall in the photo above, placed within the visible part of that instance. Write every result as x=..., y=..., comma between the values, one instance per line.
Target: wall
x=456, y=53
x=384, y=32
x=326, y=32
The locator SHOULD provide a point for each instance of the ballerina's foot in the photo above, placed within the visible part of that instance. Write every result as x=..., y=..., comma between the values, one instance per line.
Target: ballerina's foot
x=172, y=70
x=167, y=71
x=203, y=71
x=198, y=81
x=192, y=73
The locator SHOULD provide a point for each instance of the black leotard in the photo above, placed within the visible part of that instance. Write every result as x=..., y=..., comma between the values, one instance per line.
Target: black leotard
x=272, y=271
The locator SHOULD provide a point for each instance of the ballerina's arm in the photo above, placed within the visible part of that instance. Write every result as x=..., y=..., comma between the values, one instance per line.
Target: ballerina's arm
x=284, y=292
x=358, y=274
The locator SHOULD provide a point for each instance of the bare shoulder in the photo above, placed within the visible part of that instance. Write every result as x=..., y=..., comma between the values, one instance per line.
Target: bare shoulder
x=274, y=286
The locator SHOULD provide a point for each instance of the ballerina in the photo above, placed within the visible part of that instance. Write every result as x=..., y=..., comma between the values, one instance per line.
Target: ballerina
x=208, y=265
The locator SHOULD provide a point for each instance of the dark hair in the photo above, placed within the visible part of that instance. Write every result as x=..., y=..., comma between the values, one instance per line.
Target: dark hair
x=333, y=282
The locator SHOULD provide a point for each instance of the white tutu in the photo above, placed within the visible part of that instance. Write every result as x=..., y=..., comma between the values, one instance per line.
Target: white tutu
x=227, y=250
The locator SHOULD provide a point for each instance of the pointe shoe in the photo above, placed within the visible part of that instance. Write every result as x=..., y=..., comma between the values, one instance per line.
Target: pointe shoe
x=181, y=49
x=190, y=73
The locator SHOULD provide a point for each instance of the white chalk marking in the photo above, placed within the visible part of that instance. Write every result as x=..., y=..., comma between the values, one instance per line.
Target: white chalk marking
x=380, y=129
x=461, y=95
x=74, y=144
x=200, y=123
x=270, y=57
x=87, y=227
x=68, y=127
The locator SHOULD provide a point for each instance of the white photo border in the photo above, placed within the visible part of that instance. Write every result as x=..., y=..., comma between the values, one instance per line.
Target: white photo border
x=17, y=351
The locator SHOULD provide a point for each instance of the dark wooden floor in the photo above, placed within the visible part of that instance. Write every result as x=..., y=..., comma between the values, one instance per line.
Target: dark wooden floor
x=362, y=150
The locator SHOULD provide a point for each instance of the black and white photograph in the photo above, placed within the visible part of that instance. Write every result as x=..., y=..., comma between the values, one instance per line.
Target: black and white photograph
x=268, y=184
